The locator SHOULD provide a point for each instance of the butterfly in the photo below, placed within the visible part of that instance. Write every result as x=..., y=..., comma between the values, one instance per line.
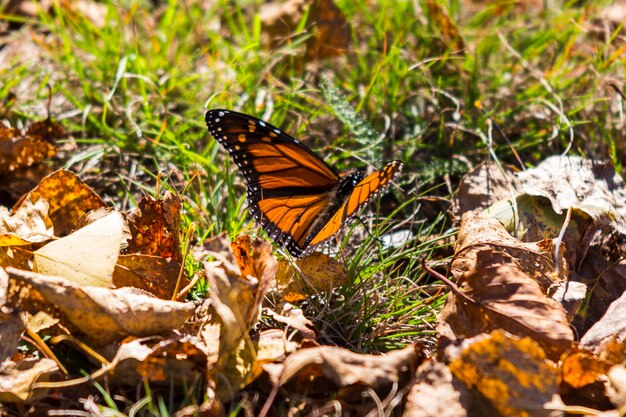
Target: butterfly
x=298, y=199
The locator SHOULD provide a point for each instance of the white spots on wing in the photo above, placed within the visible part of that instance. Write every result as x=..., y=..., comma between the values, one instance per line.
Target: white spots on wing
x=217, y=120
x=220, y=114
x=262, y=123
x=277, y=131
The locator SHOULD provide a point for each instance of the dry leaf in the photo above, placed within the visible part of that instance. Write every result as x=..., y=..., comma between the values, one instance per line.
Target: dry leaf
x=17, y=257
x=512, y=374
x=580, y=368
x=105, y=315
x=535, y=259
x=327, y=25
x=317, y=272
x=608, y=282
x=169, y=361
x=240, y=282
x=236, y=299
x=294, y=318
x=612, y=326
x=498, y=292
x=17, y=379
x=69, y=199
x=325, y=369
x=154, y=274
x=29, y=224
x=11, y=329
x=617, y=387
x=87, y=256
x=154, y=227
x=532, y=218
x=436, y=393
x=14, y=184
x=504, y=297
x=485, y=185
x=590, y=186
x=46, y=130
x=331, y=31
x=20, y=151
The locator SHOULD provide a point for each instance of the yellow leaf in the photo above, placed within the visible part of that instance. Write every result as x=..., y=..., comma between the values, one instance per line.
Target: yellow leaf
x=87, y=256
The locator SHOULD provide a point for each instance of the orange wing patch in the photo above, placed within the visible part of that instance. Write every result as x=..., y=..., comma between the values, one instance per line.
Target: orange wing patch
x=294, y=215
x=365, y=190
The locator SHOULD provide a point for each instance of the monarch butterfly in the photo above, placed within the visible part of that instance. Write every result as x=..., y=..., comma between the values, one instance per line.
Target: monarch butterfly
x=298, y=199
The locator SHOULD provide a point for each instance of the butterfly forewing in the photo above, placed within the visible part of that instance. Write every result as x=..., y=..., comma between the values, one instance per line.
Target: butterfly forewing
x=288, y=184
x=268, y=157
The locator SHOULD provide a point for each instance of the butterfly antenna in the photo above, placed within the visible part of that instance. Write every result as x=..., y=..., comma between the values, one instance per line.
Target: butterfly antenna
x=368, y=230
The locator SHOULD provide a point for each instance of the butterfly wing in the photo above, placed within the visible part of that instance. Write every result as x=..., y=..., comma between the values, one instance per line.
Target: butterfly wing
x=362, y=193
x=288, y=185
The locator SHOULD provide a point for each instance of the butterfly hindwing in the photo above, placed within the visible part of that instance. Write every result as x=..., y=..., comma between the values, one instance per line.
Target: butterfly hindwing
x=362, y=193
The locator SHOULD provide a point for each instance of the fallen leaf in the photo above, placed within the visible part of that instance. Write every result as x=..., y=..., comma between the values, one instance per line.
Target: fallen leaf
x=87, y=256
x=154, y=274
x=106, y=315
x=499, y=295
x=20, y=151
x=436, y=393
x=617, y=386
x=171, y=361
x=11, y=329
x=17, y=257
x=511, y=374
x=612, y=326
x=314, y=273
x=485, y=185
x=17, y=379
x=535, y=258
x=29, y=224
x=69, y=199
x=321, y=370
x=154, y=227
x=46, y=130
x=331, y=32
x=590, y=186
x=15, y=184
x=294, y=318
x=607, y=281
x=327, y=25
x=580, y=368
x=532, y=218
x=240, y=282
x=498, y=292
x=236, y=299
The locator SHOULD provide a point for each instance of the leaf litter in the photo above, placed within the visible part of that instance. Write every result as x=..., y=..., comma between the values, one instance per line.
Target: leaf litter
x=81, y=272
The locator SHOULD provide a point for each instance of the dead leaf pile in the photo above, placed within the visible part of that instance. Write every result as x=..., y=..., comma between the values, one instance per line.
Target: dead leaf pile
x=81, y=280
x=522, y=276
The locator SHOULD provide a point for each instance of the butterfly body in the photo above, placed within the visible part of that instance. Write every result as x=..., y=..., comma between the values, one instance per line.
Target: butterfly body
x=298, y=199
